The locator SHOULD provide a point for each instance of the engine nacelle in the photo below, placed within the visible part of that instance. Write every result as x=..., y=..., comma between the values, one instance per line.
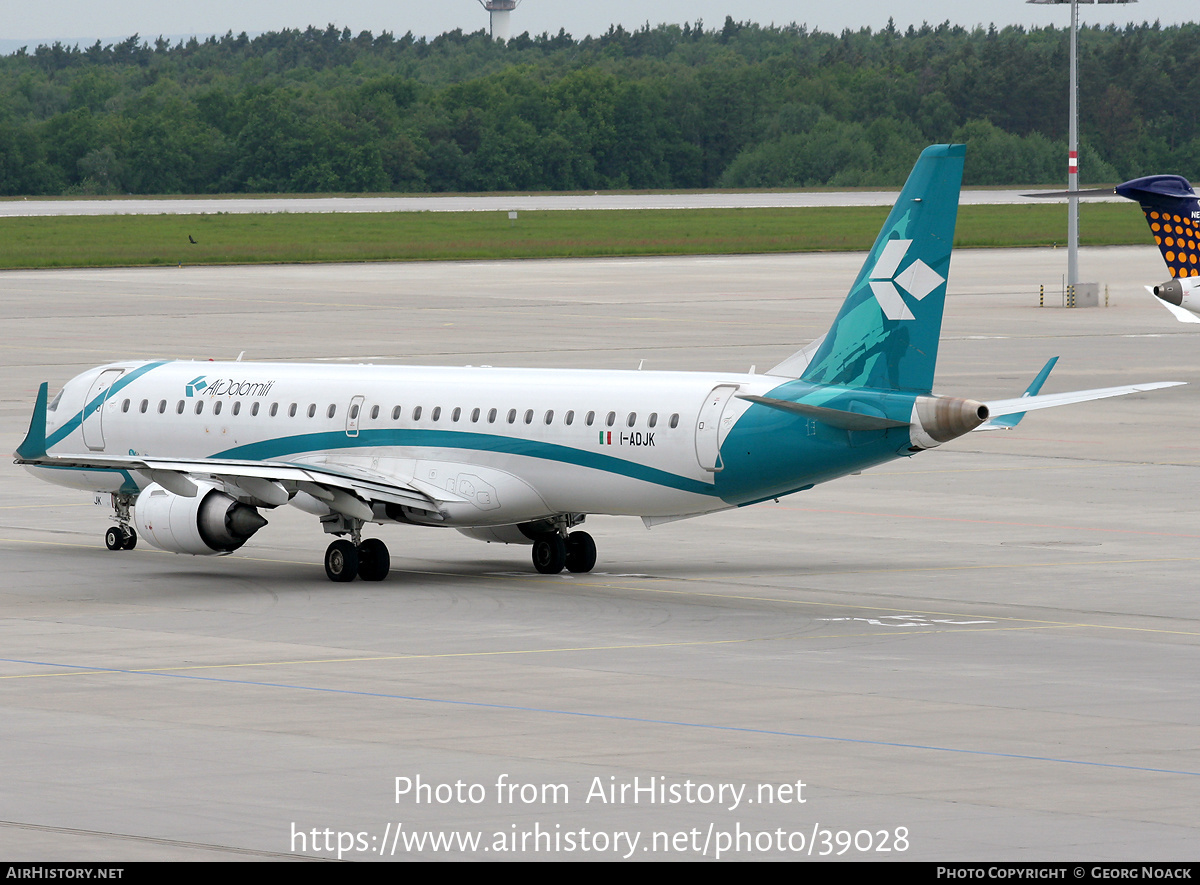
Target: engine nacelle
x=209, y=523
x=939, y=419
x=1183, y=293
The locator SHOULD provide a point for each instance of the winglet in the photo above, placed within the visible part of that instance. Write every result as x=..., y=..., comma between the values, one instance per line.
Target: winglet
x=34, y=446
x=1007, y=422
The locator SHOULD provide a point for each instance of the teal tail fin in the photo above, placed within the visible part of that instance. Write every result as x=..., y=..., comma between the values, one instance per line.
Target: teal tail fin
x=886, y=334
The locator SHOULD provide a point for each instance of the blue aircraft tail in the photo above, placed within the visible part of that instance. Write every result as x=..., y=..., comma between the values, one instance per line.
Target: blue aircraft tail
x=1173, y=213
x=886, y=335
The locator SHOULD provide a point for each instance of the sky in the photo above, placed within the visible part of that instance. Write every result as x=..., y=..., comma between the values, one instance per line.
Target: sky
x=85, y=21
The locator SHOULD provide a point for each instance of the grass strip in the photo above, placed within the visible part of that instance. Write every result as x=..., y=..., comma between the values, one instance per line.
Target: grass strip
x=150, y=240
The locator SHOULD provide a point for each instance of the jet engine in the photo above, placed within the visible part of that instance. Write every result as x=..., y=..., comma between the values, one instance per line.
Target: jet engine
x=1184, y=292
x=939, y=419
x=209, y=523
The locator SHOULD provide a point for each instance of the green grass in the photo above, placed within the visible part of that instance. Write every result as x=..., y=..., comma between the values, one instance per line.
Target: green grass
x=138, y=240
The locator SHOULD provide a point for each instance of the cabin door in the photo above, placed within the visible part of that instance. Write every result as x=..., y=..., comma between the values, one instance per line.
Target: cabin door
x=708, y=427
x=93, y=409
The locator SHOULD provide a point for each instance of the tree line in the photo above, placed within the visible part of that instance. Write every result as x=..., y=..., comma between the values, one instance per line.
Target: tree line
x=743, y=105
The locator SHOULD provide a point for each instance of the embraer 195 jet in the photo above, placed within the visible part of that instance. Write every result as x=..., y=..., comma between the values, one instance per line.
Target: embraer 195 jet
x=192, y=452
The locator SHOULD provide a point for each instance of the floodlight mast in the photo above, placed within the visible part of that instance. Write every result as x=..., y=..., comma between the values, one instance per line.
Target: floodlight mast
x=500, y=10
x=1073, y=139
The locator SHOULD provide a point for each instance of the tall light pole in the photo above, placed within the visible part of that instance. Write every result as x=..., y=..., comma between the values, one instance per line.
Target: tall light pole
x=1073, y=140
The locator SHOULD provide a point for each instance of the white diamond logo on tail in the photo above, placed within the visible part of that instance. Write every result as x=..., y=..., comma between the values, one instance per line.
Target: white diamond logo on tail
x=918, y=280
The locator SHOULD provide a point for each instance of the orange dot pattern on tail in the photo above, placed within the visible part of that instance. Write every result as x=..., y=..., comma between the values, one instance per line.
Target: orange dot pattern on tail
x=1178, y=239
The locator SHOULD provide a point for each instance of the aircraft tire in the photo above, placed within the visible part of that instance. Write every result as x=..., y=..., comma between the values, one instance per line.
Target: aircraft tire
x=114, y=539
x=341, y=561
x=581, y=552
x=549, y=554
x=374, y=561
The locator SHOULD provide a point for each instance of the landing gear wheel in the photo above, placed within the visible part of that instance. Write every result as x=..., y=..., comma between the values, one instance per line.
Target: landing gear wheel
x=373, y=560
x=114, y=539
x=341, y=561
x=549, y=554
x=581, y=552
x=130, y=540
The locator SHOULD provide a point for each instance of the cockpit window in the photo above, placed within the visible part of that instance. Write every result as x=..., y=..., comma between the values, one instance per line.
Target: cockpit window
x=54, y=405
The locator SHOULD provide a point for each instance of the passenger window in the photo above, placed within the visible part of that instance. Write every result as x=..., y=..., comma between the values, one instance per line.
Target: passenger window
x=237, y=407
x=274, y=409
x=374, y=412
x=417, y=413
x=550, y=416
x=529, y=416
x=475, y=416
x=292, y=410
x=179, y=408
x=254, y=410
x=312, y=410
x=354, y=411
x=162, y=407
x=455, y=414
x=437, y=413
x=590, y=419
x=125, y=406
x=396, y=413
x=512, y=416
x=492, y=416
x=332, y=410
x=217, y=407
x=145, y=405
x=631, y=420
x=569, y=418
x=675, y=420
x=652, y=420
x=199, y=406
x=611, y=419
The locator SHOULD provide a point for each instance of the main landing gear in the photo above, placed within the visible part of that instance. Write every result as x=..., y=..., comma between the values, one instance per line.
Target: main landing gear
x=344, y=560
x=576, y=553
x=120, y=536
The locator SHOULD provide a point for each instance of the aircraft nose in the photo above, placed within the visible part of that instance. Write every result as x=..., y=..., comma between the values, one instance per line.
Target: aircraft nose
x=1171, y=292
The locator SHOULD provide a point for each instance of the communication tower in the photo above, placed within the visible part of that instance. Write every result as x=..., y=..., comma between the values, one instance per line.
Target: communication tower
x=500, y=11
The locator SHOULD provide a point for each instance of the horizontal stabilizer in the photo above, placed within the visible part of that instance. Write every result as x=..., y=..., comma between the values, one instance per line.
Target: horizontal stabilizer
x=1093, y=192
x=833, y=417
x=1022, y=404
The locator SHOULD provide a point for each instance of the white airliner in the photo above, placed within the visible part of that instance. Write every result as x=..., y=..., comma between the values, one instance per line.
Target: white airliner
x=192, y=452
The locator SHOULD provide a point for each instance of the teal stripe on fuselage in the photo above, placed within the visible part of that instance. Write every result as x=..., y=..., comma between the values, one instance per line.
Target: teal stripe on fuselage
x=283, y=447
x=768, y=453
x=73, y=424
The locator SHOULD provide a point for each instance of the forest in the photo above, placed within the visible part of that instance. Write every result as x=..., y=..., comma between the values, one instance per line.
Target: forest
x=742, y=105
